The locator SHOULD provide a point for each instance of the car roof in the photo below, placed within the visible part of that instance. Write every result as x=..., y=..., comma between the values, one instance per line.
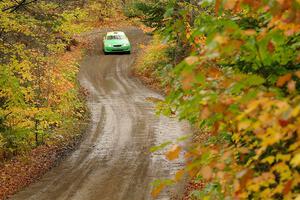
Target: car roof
x=115, y=33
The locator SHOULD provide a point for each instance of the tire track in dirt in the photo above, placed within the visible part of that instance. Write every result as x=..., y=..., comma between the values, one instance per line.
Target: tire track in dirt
x=113, y=162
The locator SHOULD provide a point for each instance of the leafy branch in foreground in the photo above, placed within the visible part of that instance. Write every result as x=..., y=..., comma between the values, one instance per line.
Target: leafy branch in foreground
x=239, y=83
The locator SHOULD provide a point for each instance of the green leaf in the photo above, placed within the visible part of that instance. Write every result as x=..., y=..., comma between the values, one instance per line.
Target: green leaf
x=160, y=147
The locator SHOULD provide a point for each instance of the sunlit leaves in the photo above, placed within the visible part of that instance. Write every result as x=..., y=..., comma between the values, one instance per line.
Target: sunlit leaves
x=38, y=92
x=296, y=160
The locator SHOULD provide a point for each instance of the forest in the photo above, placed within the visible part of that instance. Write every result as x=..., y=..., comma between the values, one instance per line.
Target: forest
x=231, y=68
x=39, y=95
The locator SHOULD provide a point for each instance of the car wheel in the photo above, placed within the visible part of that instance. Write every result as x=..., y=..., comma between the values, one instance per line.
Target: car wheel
x=105, y=53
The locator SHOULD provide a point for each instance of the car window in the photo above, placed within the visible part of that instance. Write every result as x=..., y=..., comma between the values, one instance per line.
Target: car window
x=115, y=37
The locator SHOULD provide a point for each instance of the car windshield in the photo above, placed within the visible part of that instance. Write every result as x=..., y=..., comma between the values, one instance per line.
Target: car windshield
x=115, y=37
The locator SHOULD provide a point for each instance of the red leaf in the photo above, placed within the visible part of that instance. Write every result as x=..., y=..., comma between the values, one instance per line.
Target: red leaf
x=271, y=47
x=283, y=123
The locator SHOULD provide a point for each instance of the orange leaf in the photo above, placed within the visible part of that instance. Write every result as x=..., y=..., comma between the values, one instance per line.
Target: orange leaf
x=188, y=79
x=250, y=32
x=215, y=128
x=230, y=4
x=220, y=165
x=173, y=153
x=220, y=175
x=206, y=172
x=205, y=113
x=283, y=79
x=217, y=6
x=156, y=191
x=287, y=187
x=297, y=73
x=253, y=3
x=179, y=175
x=214, y=72
x=219, y=108
x=291, y=86
x=244, y=179
x=192, y=173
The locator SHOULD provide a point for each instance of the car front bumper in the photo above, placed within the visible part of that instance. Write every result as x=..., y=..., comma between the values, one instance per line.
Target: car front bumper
x=117, y=49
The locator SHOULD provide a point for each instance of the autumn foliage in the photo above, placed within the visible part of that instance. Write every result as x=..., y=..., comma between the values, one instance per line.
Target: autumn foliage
x=238, y=82
x=40, y=98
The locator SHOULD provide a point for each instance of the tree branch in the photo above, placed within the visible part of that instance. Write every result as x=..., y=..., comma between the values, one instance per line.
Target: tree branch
x=18, y=5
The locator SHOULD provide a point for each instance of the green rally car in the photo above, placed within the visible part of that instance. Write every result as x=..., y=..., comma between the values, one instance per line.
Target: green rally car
x=116, y=41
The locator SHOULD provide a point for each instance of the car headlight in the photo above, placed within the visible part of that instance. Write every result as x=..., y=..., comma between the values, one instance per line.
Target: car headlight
x=110, y=45
x=126, y=44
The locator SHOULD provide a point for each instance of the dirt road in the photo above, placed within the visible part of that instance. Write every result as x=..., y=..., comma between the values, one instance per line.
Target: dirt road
x=113, y=162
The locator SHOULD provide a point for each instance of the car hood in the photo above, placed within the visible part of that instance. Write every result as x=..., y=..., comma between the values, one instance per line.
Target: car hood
x=115, y=42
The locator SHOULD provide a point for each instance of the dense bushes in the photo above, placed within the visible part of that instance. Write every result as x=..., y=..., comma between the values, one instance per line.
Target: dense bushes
x=153, y=66
x=239, y=84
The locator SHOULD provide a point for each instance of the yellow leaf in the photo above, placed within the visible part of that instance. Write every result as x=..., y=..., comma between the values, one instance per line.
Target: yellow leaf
x=269, y=159
x=243, y=125
x=271, y=137
x=296, y=111
x=284, y=170
x=173, y=153
x=283, y=157
x=294, y=146
x=254, y=187
x=266, y=193
x=296, y=160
